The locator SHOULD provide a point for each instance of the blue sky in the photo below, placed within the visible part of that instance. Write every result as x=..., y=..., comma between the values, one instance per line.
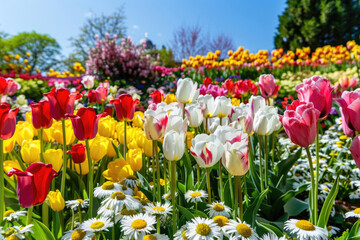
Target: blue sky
x=251, y=24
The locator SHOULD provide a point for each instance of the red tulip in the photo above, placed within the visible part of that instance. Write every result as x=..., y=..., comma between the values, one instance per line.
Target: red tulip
x=229, y=86
x=268, y=88
x=33, y=184
x=124, y=107
x=61, y=102
x=318, y=91
x=77, y=153
x=85, y=123
x=207, y=81
x=157, y=96
x=41, y=117
x=350, y=111
x=91, y=96
x=3, y=85
x=300, y=122
x=101, y=94
x=109, y=111
x=7, y=121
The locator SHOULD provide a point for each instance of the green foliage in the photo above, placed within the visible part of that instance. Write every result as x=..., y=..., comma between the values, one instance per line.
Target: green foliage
x=315, y=23
x=166, y=57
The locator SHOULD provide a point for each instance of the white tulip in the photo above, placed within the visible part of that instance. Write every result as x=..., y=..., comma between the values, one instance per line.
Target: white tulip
x=88, y=81
x=176, y=123
x=187, y=91
x=222, y=133
x=155, y=124
x=207, y=150
x=213, y=124
x=194, y=115
x=224, y=106
x=174, y=145
x=207, y=103
x=256, y=103
x=266, y=121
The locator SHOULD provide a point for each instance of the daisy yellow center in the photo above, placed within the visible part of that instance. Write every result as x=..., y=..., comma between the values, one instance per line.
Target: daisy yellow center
x=131, y=177
x=305, y=225
x=124, y=188
x=97, y=225
x=77, y=234
x=108, y=186
x=183, y=234
x=158, y=209
x=244, y=230
x=80, y=200
x=149, y=237
x=139, y=224
x=126, y=212
x=203, y=229
x=9, y=232
x=329, y=228
x=8, y=213
x=357, y=211
x=195, y=194
x=118, y=196
x=218, y=207
x=12, y=237
x=221, y=220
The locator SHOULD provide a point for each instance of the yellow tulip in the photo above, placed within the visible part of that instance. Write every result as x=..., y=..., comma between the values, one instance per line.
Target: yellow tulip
x=10, y=164
x=107, y=126
x=140, y=139
x=189, y=137
x=148, y=148
x=30, y=151
x=138, y=119
x=24, y=131
x=54, y=156
x=130, y=133
x=55, y=200
x=110, y=149
x=47, y=134
x=134, y=158
x=98, y=148
x=170, y=98
x=57, y=132
x=132, y=144
x=9, y=145
x=118, y=170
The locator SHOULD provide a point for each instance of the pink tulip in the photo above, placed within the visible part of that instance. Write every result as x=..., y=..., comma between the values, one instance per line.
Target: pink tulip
x=268, y=88
x=300, y=122
x=346, y=82
x=318, y=91
x=355, y=150
x=101, y=94
x=350, y=111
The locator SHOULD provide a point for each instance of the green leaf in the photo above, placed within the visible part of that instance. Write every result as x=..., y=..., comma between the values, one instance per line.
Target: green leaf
x=250, y=213
x=329, y=202
x=41, y=231
x=189, y=180
x=283, y=167
x=198, y=213
x=354, y=232
x=270, y=228
x=186, y=213
x=295, y=207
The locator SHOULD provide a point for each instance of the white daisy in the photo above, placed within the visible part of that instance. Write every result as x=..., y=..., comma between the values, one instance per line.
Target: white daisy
x=11, y=215
x=77, y=234
x=218, y=208
x=138, y=226
x=167, y=196
x=18, y=232
x=106, y=212
x=124, y=212
x=74, y=204
x=305, y=230
x=239, y=230
x=158, y=209
x=181, y=234
x=94, y=225
x=355, y=213
x=271, y=236
x=126, y=190
x=118, y=199
x=203, y=228
x=333, y=230
x=130, y=181
x=195, y=196
x=106, y=189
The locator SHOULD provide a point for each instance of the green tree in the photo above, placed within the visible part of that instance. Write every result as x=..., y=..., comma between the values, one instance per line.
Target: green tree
x=316, y=23
x=44, y=49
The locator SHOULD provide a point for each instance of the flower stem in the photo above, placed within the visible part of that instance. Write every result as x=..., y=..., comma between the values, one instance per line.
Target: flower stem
x=240, y=198
x=45, y=214
x=72, y=219
x=173, y=194
x=2, y=191
x=273, y=150
x=63, y=176
x=266, y=161
x=236, y=202
x=311, y=197
x=221, y=181
x=165, y=175
x=317, y=175
x=231, y=190
x=208, y=184
x=29, y=215
x=153, y=169
x=124, y=140
x=80, y=220
x=40, y=133
x=261, y=167
x=198, y=173
x=158, y=189
x=158, y=224
x=91, y=179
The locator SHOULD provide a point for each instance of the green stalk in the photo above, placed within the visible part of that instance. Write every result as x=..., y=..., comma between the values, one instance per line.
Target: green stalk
x=173, y=191
x=91, y=179
x=80, y=214
x=221, y=181
x=2, y=195
x=63, y=176
x=40, y=133
x=158, y=224
x=311, y=197
x=45, y=214
x=273, y=150
x=165, y=175
x=198, y=173
x=236, y=202
x=261, y=167
x=72, y=219
x=153, y=169
x=240, y=199
x=208, y=184
x=125, y=140
x=245, y=191
x=29, y=215
x=317, y=175
x=266, y=161
x=158, y=189
x=231, y=190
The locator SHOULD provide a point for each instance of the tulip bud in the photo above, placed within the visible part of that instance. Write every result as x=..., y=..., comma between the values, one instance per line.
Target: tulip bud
x=224, y=106
x=155, y=124
x=134, y=158
x=125, y=107
x=174, y=145
x=194, y=115
x=98, y=148
x=106, y=127
x=78, y=153
x=207, y=150
x=30, y=151
x=266, y=121
x=186, y=91
x=207, y=103
x=88, y=81
x=55, y=201
x=54, y=156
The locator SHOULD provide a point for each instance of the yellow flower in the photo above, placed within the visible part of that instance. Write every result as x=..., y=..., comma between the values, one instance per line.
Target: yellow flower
x=48, y=134
x=98, y=148
x=235, y=101
x=57, y=132
x=84, y=167
x=137, y=120
x=54, y=156
x=9, y=145
x=30, y=151
x=107, y=126
x=130, y=133
x=23, y=131
x=55, y=200
x=170, y=98
x=148, y=148
x=118, y=170
x=134, y=158
x=28, y=54
x=110, y=149
x=9, y=164
x=189, y=137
